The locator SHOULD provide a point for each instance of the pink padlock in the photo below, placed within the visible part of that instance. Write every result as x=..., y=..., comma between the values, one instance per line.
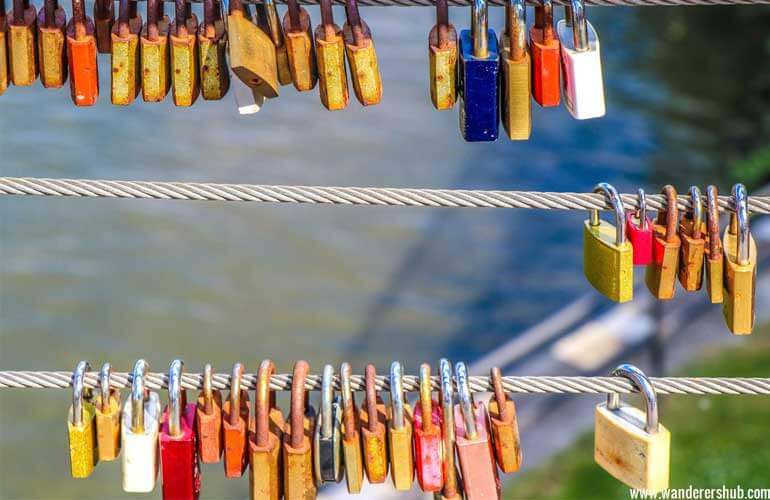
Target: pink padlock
x=428, y=441
x=639, y=231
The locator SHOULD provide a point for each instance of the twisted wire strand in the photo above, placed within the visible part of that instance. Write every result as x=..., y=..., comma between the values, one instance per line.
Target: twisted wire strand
x=331, y=195
x=520, y=385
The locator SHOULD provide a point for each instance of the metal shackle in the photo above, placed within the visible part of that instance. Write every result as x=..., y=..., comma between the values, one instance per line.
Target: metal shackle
x=175, y=371
x=712, y=203
x=78, y=389
x=466, y=400
x=640, y=380
x=696, y=200
x=138, y=396
x=448, y=422
x=741, y=202
x=397, y=394
x=517, y=22
x=235, y=393
x=617, y=204
x=208, y=391
x=327, y=398
x=104, y=386
x=479, y=28
x=575, y=16
x=642, y=197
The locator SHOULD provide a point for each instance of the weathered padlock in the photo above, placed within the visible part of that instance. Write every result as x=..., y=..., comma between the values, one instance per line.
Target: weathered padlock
x=351, y=438
x=251, y=52
x=156, y=75
x=298, y=38
x=212, y=48
x=275, y=30
x=581, y=64
x=22, y=54
x=400, y=425
x=330, y=57
x=265, y=459
x=546, y=57
x=107, y=417
x=81, y=56
x=52, y=50
x=442, y=58
x=235, y=425
x=81, y=426
x=632, y=447
x=515, y=100
x=639, y=231
x=184, y=55
x=327, y=446
x=104, y=18
x=126, y=69
x=298, y=480
x=452, y=488
x=3, y=48
x=477, y=461
x=479, y=69
x=178, y=456
x=607, y=255
x=715, y=263
x=208, y=420
x=362, y=57
x=660, y=276
x=373, y=430
x=428, y=444
x=504, y=425
x=692, y=231
x=740, y=258
x=140, y=428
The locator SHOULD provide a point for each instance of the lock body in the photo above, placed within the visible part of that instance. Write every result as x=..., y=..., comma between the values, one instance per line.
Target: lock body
x=179, y=459
x=156, y=78
x=266, y=462
x=140, y=448
x=332, y=78
x=3, y=53
x=479, y=111
x=375, y=444
x=353, y=458
x=22, y=53
x=108, y=428
x=52, y=51
x=661, y=275
x=428, y=450
x=252, y=55
x=214, y=75
x=715, y=269
x=477, y=463
x=327, y=456
x=608, y=266
x=515, y=101
x=84, y=71
x=401, y=450
x=505, y=436
x=692, y=253
x=209, y=429
x=443, y=69
x=640, y=238
x=299, y=49
x=546, y=68
x=364, y=69
x=299, y=483
x=235, y=436
x=184, y=63
x=126, y=69
x=82, y=442
x=582, y=82
x=739, y=283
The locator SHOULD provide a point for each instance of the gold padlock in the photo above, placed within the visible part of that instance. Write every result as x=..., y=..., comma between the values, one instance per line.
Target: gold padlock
x=252, y=53
x=81, y=426
x=3, y=49
x=299, y=47
x=633, y=447
x=330, y=56
x=692, y=231
x=275, y=30
x=156, y=76
x=104, y=18
x=298, y=480
x=714, y=257
x=740, y=257
x=126, y=71
x=212, y=48
x=373, y=430
x=184, y=55
x=661, y=274
x=22, y=55
x=607, y=254
x=504, y=425
x=442, y=55
x=362, y=57
x=52, y=54
x=516, y=104
x=107, y=417
x=400, y=430
x=351, y=438
x=265, y=459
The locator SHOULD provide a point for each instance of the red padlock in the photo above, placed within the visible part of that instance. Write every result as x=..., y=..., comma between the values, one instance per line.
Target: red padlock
x=235, y=418
x=546, y=57
x=178, y=456
x=639, y=231
x=209, y=420
x=428, y=441
x=81, y=54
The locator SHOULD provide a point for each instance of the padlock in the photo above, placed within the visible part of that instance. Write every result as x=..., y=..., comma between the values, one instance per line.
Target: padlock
x=452, y=489
x=362, y=57
x=184, y=55
x=442, y=59
x=265, y=458
x=251, y=52
x=373, y=430
x=3, y=48
x=22, y=54
x=632, y=447
x=400, y=430
x=52, y=51
x=140, y=424
x=209, y=420
x=81, y=56
x=107, y=417
x=275, y=30
x=330, y=57
x=427, y=437
x=298, y=480
x=692, y=231
x=504, y=425
x=327, y=447
x=351, y=438
x=715, y=263
x=104, y=18
x=126, y=71
x=479, y=69
x=212, y=48
x=740, y=258
x=81, y=426
x=477, y=461
x=178, y=456
x=581, y=64
x=156, y=76
x=515, y=100
x=546, y=57
x=608, y=261
x=235, y=425
x=639, y=231
x=298, y=38
x=660, y=276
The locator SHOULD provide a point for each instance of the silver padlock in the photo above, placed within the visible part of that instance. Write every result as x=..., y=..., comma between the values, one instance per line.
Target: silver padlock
x=327, y=452
x=140, y=422
x=581, y=64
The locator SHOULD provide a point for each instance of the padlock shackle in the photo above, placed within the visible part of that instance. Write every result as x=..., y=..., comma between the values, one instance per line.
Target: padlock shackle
x=78, y=390
x=208, y=391
x=104, y=386
x=641, y=382
x=235, y=393
x=613, y=198
x=138, y=393
x=348, y=401
x=740, y=218
x=293, y=9
x=49, y=8
x=78, y=18
x=696, y=200
x=446, y=395
x=370, y=379
x=500, y=397
x=298, y=395
x=273, y=23
x=517, y=24
x=670, y=215
x=715, y=242
x=442, y=23
x=575, y=16
x=209, y=18
x=426, y=398
x=397, y=395
x=327, y=19
x=479, y=28
x=181, y=14
x=18, y=12
x=327, y=398
x=123, y=15
x=152, y=19
x=263, y=402
x=642, y=210
x=175, y=402
x=353, y=17
x=467, y=406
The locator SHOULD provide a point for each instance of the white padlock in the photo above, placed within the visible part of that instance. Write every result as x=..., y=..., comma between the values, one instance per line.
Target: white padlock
x=582, y=64
x=140, y=424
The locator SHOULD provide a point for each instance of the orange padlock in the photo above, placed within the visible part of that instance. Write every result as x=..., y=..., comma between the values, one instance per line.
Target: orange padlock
x=235, y=418
x=208, y=420
x=546, y=57
x=81, y=54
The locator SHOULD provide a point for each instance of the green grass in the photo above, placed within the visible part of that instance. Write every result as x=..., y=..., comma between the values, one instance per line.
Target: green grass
x=715, y=440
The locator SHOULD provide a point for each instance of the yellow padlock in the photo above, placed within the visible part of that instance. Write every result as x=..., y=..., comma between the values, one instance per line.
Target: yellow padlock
x=661, y=274
x=3, y=48
x=692, y=232
x=740, y=258
x=184, y=55
x=107, y=417
x=298, y=480
x=374, y=431
x=504, y=425
x=299, y=47
x=81, y=426
x=442, y=55
x=22, y=55
x=52, y=53
x=351, y=438
x=212, y=48
x=362, y=57
x=126, y=70
x=156, y=76
x=275, y=30
x=251, y=51
x=265, y=457
x=516, y=104
x=400, y=430
x=607, y=254
x=714, y=256
x=330, y=56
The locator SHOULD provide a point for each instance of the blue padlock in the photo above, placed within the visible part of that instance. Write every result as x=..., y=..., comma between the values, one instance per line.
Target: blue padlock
x=479, y=83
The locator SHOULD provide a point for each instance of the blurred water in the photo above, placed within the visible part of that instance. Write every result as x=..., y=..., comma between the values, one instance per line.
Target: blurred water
x=118, y=280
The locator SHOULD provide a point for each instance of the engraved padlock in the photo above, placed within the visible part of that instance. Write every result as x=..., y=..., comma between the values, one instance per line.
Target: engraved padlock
x=251, y=53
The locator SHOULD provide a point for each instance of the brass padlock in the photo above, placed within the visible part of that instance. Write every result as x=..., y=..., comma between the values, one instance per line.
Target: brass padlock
x=81, y=56
x=351, y=438
x=265, y=459
x=298, y=480
x=251, y=52
x=3, y=48
x=104, y=18
x=692, y=232
x=81, y=426
x=52, y=53
x=22, y=54
x=740, y=257
x=330, y=56
x=442, y=60
x=660, y=275
x=608, y=260
x=400, y=430
x=452, y=487
x=715, y=267
x=299, y=47
x=184, y=55
x=275, y=30
x=156, y=75
x=126, y=70
x=212, y=48
x=208, y=420
x=505, y=427
x=362, y=57
x=373, y=430
x=108, y=417
x=516, y=104
x=633, y=447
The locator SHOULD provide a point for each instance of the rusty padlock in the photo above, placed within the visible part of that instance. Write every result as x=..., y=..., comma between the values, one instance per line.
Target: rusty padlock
x=22, y=54
x=265, y=458
x=212, y=48
x=330, y=56
x=156, y=76
x=660, y=276
x=104, y=18
x=208, y=420
x=3, y=48
x=428, y=445
x=715, y=263
x=452, y=487
x=81, y=56
x=107, y=417
x=362, y=57
x=52, y=51
x=351, y=438
x=546, y=57
x=126, y=70
x=504, y=425
x=400, y=426
x=235, y=424
x=442, y=56
x=298, y=480
x=298, y=38
x=275, y=30
x=373, y=430
x=692, y=231
x=184, y=55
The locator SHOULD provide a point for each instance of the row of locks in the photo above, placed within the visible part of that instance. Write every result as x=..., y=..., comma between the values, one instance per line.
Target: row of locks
x=293, y=458
x=675, y=248
x=257, y=53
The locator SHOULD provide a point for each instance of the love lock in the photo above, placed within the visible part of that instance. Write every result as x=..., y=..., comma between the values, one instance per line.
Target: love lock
x=373, y=430
x=3, y=48
x=428, y=442
x=330, y=55
x=251, y=52
x=327, y=448
x=400, y=425
x=209, y=420
x=235, y=423
x=299, y=47
x=52, y=54
x=516, y=104
x=546, y=57
x=81, y=55
x=184, y=55
x=22, y=56
x=351, y=437
x=362, y=57
x=298, y=480
x=275, y=31
x=266, y=467
x=126, y=73
x=442, y=58
x=81, y=426
x=156, y=77
x=140, y=425
x=212, y=48
x=107, y=417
